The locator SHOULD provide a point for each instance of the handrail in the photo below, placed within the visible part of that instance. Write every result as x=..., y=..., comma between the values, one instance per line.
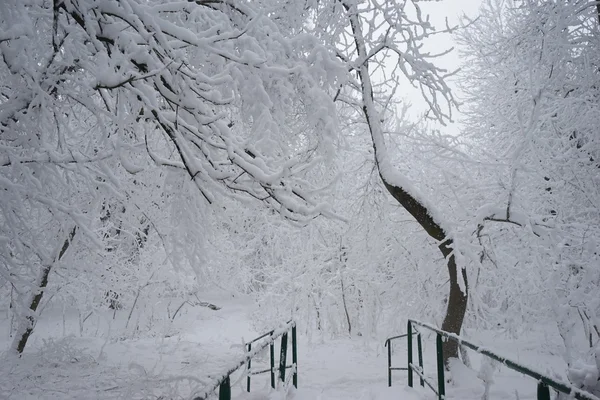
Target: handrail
x=272, y=359
x=544, y=382
x=388, y=344
x=262, y=336
x=223, y=383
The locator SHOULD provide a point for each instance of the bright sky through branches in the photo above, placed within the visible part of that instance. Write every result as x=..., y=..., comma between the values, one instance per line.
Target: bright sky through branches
x=438, y=11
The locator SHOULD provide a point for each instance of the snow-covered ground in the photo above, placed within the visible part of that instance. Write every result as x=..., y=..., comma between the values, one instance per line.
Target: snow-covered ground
x=170, y=360
x=180, y=359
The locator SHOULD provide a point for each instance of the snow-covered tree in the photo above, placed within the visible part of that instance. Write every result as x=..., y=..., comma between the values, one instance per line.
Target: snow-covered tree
x=97, y=93
x=381, y=44
x=533, y=99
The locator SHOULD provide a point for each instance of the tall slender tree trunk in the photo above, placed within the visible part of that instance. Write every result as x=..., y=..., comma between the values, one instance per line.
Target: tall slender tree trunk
x=423, y=213
x=346, y=306
x=29, y=320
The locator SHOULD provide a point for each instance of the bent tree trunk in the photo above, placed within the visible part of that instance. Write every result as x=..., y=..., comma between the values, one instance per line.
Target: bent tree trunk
x=395, y=184
x=29, y=320
x=457, y=299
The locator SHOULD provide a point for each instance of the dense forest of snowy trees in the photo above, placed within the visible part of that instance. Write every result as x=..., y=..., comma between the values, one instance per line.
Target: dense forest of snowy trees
x=156, y=149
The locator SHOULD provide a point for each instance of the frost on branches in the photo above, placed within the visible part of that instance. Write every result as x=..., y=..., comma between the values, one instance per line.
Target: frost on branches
x=95, y=95
x=382, y=45
x=532, y=80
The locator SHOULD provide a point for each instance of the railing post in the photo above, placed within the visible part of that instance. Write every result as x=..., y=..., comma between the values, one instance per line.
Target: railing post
x=543, y=392
x=389, y=346
x=410, y=354
x=248, y=369
x=440, y=367
x=272, y=356
x=283, y=356
x=420, y=351
x=225, y=389
x=294, y=357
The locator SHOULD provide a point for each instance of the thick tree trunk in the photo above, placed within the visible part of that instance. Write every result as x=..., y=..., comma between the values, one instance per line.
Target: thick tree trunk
x=26, y=328
x=457, y=307
x=457, y=299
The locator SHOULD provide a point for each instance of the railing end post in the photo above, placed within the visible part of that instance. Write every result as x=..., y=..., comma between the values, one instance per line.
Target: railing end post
x=225, y=389
x=283, y=357
x=543, y=391
x=440, y=366
x=295, y=356
x=410, y=353
x=420, y=354
x=272, y=360
x=389, y=351
x=248, y=368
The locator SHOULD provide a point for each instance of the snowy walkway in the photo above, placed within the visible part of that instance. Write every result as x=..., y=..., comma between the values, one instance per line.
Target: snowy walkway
x=182, y=356
x=338, y=370
x=356, y=369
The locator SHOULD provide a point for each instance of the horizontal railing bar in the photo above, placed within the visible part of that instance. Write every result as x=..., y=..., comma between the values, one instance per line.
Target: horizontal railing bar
x=398, y=369
x=260, y=337
x=260, y=372
x=275, y=334
x=559, y=386
x=265, y=335
x=397, y=337
x=269, y=370
x=418, y=371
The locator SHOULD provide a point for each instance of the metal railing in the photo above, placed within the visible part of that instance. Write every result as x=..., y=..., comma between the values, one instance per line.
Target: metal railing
x=544, y=382
x=282, y=358
x=223, y=384
x=388, y=344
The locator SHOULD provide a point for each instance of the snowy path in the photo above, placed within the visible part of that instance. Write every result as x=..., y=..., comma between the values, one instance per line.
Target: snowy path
x=337, y=370
x=349, y=369
x=202, y=343
x=356, y=369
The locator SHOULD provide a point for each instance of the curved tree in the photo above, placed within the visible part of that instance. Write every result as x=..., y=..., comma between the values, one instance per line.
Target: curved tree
x=397, y=185
x=381, y=45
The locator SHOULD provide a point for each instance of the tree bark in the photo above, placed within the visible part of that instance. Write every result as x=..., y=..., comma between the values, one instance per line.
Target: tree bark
x=457, y=307
x=457, y=299
x=29, y=321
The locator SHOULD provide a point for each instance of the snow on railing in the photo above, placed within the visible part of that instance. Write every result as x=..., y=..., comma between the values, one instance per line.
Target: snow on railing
x=223, y=383
x=544, y=382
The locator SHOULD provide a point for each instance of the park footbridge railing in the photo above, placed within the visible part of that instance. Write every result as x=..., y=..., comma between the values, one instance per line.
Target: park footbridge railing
x=223, y=383
x=415, y=328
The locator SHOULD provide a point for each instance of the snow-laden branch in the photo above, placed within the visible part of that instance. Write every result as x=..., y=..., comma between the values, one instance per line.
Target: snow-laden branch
x=51, y=157
x=493, y=213
x=187, y=104
x=398, y=185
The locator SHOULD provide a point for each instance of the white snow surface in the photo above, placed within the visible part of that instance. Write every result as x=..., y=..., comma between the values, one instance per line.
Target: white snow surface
x=178, y=361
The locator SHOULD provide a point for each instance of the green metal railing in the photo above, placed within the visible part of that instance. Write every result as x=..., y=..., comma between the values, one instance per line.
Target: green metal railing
x=388, y=344
x=544, y=382
x=282, y=358
x=223, y=384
